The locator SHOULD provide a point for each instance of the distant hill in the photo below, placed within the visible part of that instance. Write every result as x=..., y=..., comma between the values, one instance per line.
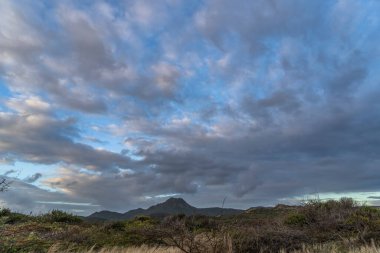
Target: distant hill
x=169, y=207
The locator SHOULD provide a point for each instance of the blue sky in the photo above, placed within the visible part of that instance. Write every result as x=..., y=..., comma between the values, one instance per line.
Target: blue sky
x=120, y=104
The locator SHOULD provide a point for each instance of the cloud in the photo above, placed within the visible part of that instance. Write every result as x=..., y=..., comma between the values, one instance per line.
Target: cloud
x=75, y=57
x=26, y=198
x=42, y=138
x=373, y=197
x=258, y=101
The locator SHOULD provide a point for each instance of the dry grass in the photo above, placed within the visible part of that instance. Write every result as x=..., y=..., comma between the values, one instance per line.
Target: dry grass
x=367, y=249
x=326, y=248
x=141, y=249
x=335, y=248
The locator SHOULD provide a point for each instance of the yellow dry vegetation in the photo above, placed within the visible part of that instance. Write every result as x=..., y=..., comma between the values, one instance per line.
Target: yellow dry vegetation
x=141, y=249
x=328, y=248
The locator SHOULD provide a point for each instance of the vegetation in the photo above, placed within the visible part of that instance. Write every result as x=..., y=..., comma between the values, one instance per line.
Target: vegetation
x=316, y=226
x=329, y=248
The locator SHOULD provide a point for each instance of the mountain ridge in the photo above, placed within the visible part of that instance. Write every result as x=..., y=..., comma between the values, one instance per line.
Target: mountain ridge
x=171, y=206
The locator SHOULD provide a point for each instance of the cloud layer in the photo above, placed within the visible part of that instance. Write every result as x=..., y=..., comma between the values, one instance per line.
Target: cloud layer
x=261, y=101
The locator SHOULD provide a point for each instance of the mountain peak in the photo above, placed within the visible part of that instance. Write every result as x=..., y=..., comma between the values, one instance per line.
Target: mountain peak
x=172, y=206
x=176, y=201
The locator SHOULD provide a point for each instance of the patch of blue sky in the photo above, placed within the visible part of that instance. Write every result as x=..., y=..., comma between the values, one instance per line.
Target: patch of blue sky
x=5, y=93
x=151, y=47
x=4, y=90
x=201, y=82
x=8, y=170
x=27, y=169
x=103, y=141
x=22, y=170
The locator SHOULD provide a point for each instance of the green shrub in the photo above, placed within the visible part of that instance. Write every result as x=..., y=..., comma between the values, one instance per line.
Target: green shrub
x=14, y=218
x=201, y=223
x=60, y=216
x=5, y=212
x=117, y=225
x=141, y=222
x=365, y=217
x=327, y=215
x=143, y=218
x=295, y=219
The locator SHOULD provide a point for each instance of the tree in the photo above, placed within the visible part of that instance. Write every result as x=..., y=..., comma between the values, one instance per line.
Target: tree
x=4, y=184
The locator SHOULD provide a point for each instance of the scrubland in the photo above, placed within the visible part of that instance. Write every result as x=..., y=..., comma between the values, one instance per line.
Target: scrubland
x=315, y=227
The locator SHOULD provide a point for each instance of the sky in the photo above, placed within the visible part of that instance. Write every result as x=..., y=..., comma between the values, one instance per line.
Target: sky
x=115, y=105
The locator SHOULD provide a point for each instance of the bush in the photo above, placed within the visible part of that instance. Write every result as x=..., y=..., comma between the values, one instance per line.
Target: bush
x=251, y=240
x=13, y=218
x=365, y=217
x=140, y=222
x=143, y=218
x=117, y=225
x=201, y=223
x=326, y=215
x=5, y=212
x=60, y=216
x=295, y=219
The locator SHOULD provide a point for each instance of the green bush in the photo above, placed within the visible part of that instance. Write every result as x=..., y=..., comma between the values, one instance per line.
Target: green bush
x=327, y=215
x=14, y=218
x=201, y=223
x=5, y=212
x=295, y=219
x=143, y=218
x=141, y=222
x=60, y=216
x=117, y=225
x=365, y=217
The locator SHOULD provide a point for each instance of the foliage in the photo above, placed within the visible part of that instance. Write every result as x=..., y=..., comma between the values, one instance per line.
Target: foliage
x=296, y=219
x=14, y=218
x=60, y=216
x=5, y=212
x=287, y=228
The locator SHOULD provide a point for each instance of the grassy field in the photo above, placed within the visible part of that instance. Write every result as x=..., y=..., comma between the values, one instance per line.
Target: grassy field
x=140, y=249
x=312, y=249
x=316, y=226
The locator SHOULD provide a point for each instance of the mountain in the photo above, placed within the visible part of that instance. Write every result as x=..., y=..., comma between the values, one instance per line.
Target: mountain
x=172, y=206
x=169, y=207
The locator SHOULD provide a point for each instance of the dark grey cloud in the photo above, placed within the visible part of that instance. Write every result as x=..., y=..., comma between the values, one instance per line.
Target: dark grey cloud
x=42, y=138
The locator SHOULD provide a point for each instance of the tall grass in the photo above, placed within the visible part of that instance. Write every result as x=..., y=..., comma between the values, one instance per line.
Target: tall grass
x=336, y=248
x=323, y=248
x=141, y=249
